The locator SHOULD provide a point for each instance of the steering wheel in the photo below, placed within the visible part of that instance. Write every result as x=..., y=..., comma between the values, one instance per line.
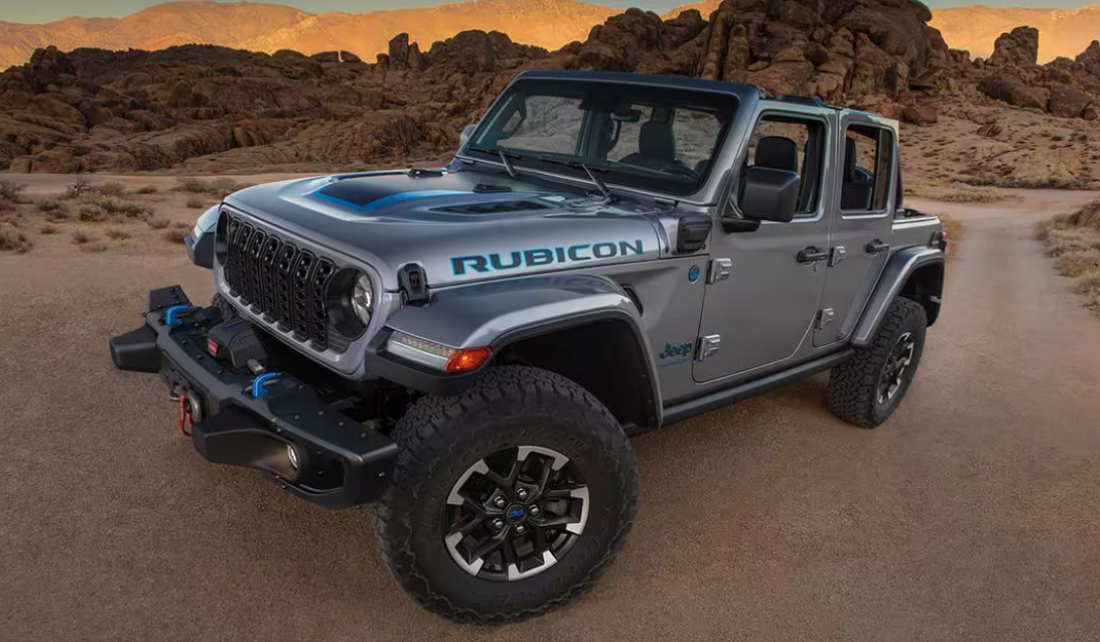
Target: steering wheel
x=680, y=169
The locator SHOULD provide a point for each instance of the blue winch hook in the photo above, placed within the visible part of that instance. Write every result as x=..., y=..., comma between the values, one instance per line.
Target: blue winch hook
x=258, y=389
x=171, y=315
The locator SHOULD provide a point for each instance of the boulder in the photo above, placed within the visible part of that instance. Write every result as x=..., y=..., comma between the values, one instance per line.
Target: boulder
x=922, y=115
x=1018, y=48
x=1010, y=89
x=1068, y=102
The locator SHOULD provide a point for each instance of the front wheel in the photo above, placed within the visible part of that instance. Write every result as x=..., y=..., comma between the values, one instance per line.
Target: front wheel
x=508, y=499
x=869, y=387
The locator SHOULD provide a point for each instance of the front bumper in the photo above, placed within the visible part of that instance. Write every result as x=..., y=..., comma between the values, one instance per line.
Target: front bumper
x=340, y=464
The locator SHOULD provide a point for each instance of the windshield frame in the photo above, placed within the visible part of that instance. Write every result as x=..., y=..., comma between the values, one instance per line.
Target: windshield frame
x=661, y=93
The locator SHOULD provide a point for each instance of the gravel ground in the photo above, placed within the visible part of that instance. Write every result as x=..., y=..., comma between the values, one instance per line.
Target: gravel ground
x=972, y=515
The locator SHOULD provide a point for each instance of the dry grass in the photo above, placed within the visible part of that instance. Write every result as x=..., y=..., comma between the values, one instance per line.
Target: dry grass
x=11, y=191
x=117, y=234
x=196, y=202
x=111, y=188
x=91, y=213
x=97, y=209
x=158, y=223
x=94, y=247
x=176, y=235
x=1074, y=241
x=1078, y=263
x=219, y=186
x=54, y=209
x=47, y=229
x=148, y=189
x=14, y=241
x=80, y=237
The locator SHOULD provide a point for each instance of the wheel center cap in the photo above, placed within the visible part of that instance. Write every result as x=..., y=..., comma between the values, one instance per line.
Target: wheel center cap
x=516, y=513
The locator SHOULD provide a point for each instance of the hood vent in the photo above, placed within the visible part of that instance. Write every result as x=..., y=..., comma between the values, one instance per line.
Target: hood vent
x=500, y=207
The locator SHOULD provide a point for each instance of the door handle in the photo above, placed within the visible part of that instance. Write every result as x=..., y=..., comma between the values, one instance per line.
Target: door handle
x=812, y=254
x=877, y=247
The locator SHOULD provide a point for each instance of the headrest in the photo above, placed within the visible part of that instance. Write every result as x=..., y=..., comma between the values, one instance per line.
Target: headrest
x=777, y=152
x=655, y=140
x=850, y=159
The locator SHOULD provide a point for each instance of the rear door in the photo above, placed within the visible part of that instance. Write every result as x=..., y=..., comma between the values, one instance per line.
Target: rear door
x=862, y=215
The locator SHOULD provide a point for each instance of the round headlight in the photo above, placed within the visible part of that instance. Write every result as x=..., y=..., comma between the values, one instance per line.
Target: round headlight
x=362, y=299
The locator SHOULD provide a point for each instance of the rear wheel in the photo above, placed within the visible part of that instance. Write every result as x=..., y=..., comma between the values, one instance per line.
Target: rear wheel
x=869, y=387
x=507, y=500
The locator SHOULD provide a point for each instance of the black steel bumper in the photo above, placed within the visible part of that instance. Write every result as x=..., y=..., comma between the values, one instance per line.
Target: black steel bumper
x=339, y=464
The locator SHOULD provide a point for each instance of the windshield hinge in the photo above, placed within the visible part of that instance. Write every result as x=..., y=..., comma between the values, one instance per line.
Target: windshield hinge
x=413, y=282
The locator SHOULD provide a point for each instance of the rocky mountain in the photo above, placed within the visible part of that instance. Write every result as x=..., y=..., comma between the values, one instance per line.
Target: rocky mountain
x=271, y=27
x=544, y=23
x=1065, y=32
x=211, y=109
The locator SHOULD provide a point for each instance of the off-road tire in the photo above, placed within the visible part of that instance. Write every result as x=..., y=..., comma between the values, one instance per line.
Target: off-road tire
x=854, y=385
x=229, y=313
x=440, y=437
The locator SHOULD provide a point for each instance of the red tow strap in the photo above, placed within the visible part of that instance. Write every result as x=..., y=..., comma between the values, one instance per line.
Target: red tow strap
x=185, y=416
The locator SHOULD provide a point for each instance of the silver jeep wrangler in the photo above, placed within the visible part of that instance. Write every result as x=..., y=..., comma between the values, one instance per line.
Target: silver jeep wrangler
x=470, y=347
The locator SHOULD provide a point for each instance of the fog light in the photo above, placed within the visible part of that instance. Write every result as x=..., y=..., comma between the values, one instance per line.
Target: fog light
x=292, y=455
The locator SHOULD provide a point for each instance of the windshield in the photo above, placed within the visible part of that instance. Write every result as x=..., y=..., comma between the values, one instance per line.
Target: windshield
x=656, y=138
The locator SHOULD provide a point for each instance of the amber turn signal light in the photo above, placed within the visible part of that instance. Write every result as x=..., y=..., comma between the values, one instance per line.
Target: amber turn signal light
x=468, y=359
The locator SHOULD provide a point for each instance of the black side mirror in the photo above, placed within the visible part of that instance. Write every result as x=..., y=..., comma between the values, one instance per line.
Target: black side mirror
x=770, y=194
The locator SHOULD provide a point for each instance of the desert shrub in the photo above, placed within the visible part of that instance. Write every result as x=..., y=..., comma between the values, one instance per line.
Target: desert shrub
x=78, y=187
x=91, y=213
x=50, y=205
x=111, y=188
x=219, y=186
x=195, y=202
x=1088, y=217
x=1078, y=263
x=94, y=247
x=175, y=235
x=80, y=237
x=192, y=185
x=148, y=189
x=48, y=228
x=11, y=191
x=1089, y=283
x=117, y=234
x=158, y=223
x=14, y=241
x=223, y=186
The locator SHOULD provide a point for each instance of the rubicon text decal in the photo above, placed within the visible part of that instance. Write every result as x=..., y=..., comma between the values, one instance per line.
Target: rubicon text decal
x=545, y=256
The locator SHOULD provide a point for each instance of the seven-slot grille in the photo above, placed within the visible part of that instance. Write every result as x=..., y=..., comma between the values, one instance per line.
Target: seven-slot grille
x=283, y=283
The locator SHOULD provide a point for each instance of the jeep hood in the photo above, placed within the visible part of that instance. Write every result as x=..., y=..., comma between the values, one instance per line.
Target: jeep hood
x=460, y=226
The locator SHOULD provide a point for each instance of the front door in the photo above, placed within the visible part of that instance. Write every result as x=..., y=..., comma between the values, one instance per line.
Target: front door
x=765, y=286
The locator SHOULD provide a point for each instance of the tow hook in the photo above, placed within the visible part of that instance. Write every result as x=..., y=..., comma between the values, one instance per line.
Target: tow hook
x=190, y=411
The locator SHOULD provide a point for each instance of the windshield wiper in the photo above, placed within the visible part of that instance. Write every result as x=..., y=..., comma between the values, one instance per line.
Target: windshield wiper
x=588, y=169
x=505, y=157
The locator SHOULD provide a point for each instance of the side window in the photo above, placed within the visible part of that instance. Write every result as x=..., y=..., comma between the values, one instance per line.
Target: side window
x=792, y=144
x=868, y=168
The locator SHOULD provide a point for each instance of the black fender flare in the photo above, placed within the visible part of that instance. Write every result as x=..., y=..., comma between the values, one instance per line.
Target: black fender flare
x=902, y=265
x=498, y=314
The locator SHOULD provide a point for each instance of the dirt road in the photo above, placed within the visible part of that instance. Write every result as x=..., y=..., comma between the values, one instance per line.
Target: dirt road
x=972, y=515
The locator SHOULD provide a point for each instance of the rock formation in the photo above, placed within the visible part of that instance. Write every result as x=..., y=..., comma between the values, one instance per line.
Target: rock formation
x=209, y=109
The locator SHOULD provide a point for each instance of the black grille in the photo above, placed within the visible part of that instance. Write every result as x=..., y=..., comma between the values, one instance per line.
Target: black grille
x=282, y=283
